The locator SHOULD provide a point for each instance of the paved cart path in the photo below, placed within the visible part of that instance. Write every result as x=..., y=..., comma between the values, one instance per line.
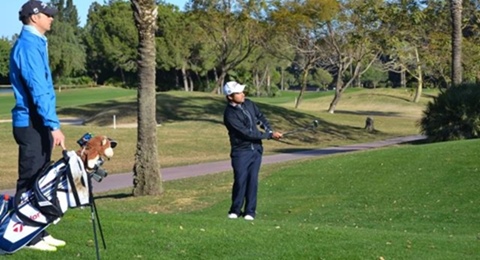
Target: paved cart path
x=124, y=180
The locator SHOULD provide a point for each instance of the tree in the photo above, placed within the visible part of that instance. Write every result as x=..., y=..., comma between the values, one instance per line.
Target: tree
x=177, y=35
x=405, y=24
x=298, y=29
x=147, y=177
x=230, y=32
x=66, y=52
x=374, y=75
x=470, y=41
x=67, y=12
x=349, y=44
x=111, y=42
x=71, y=14
x=456, y=13
x=437, y=54
x=5, y=47
x=320, y=78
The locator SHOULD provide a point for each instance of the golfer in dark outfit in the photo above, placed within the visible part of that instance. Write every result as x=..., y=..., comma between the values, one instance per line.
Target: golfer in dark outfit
x=241, y=118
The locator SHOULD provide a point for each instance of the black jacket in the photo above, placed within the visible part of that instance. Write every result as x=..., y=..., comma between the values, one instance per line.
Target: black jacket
x=241, y=122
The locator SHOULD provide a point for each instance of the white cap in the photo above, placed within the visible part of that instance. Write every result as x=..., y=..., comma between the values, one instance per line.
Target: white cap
x=233, y=87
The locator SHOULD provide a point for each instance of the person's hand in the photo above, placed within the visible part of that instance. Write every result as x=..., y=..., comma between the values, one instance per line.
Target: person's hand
x=58, y=139
x=277, y=135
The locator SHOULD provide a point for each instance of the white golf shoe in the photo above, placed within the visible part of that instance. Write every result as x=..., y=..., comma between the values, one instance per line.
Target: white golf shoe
x=248, y=217
x=232, y=216
x=53, y=241
x=42, y=246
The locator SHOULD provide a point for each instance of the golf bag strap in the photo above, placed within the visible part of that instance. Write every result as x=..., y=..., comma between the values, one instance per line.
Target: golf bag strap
x=18, y=199
x=50, y=208
x=73, y=187
x=25, y=219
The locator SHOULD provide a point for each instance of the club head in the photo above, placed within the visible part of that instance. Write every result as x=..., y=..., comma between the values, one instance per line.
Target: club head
x=315, y=123
x=113, y=143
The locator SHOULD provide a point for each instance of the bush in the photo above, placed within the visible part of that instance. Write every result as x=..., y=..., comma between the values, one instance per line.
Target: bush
x=75, y=81
x=453, y=115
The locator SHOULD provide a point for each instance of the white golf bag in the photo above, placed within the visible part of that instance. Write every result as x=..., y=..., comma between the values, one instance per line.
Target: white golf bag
x=62, y=185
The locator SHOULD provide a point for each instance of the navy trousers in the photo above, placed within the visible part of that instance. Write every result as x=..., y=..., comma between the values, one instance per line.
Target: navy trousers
x=35, y=144
x=246, y=165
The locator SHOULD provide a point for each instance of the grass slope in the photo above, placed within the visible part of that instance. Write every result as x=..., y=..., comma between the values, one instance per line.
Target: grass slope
x=409, y=202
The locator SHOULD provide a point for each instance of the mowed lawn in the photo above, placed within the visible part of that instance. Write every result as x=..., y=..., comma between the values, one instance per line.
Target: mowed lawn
x=406, y=202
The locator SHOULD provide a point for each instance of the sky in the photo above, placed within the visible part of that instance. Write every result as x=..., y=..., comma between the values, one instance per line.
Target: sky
x=9, y=23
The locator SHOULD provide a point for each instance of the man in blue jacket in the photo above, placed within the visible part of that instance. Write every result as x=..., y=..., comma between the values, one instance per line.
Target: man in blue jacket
x=241, y=118
x=36, y=127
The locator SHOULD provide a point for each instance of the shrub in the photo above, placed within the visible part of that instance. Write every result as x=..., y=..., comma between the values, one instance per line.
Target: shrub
x=453, y=114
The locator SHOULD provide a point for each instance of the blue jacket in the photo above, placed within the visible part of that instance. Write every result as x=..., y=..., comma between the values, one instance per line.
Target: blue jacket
x=32, y=81
x=241, y=123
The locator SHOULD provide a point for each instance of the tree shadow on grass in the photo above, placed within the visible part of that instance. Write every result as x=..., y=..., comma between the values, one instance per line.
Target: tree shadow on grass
x=173, y=108
x=114, y=196
x=395, y=97
x=368, y=113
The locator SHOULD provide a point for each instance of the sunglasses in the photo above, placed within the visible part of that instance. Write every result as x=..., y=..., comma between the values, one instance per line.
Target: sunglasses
x=47, y=15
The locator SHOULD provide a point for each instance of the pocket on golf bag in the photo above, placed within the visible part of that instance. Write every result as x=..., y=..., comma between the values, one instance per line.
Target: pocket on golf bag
x=14, y=234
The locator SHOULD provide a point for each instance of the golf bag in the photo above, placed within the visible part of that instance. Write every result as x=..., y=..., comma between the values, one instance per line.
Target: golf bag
x=61, y=185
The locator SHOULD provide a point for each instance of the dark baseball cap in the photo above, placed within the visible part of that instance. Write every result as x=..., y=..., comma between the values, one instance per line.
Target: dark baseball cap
x=35, y=7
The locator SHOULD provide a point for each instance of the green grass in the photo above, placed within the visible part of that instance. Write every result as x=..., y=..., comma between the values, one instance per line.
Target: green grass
x=408, y=202
x=71, y=98
x=289, y=97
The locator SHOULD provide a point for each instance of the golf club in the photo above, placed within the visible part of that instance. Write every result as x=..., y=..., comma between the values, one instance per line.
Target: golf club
x=312, y=127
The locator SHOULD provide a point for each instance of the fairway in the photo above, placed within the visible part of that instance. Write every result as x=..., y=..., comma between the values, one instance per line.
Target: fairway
x=69, y=99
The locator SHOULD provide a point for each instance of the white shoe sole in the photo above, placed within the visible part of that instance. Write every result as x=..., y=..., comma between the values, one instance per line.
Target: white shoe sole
x=42, y=246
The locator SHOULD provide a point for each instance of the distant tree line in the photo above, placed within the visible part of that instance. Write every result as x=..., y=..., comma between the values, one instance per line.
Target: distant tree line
x=270, y=45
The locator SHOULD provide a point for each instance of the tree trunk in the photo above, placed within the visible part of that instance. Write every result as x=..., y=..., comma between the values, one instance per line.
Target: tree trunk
x=456, y=13
x=256, y=83
x=304, y=87
x=185, y=77
x=269, y=83
x=403, y=78
x=147, y=179
x=219, y=83
x=341, y=86
x=358, y=79
x=191, y=83
x=337, y=97
x=219, y=79
x=418, y=92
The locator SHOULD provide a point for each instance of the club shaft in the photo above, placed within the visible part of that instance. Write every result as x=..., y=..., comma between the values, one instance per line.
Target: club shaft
x=297, y=130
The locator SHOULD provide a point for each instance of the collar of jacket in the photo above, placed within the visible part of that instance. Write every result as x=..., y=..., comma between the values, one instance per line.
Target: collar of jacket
x=31, y=29
x=233, y=104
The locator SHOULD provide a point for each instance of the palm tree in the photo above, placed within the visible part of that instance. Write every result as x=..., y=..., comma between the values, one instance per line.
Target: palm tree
x=456, y=13
x=147, y=178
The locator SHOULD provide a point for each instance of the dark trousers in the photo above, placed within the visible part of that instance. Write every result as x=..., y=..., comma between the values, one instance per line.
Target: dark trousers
x=246, y=165
x=35, y=144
